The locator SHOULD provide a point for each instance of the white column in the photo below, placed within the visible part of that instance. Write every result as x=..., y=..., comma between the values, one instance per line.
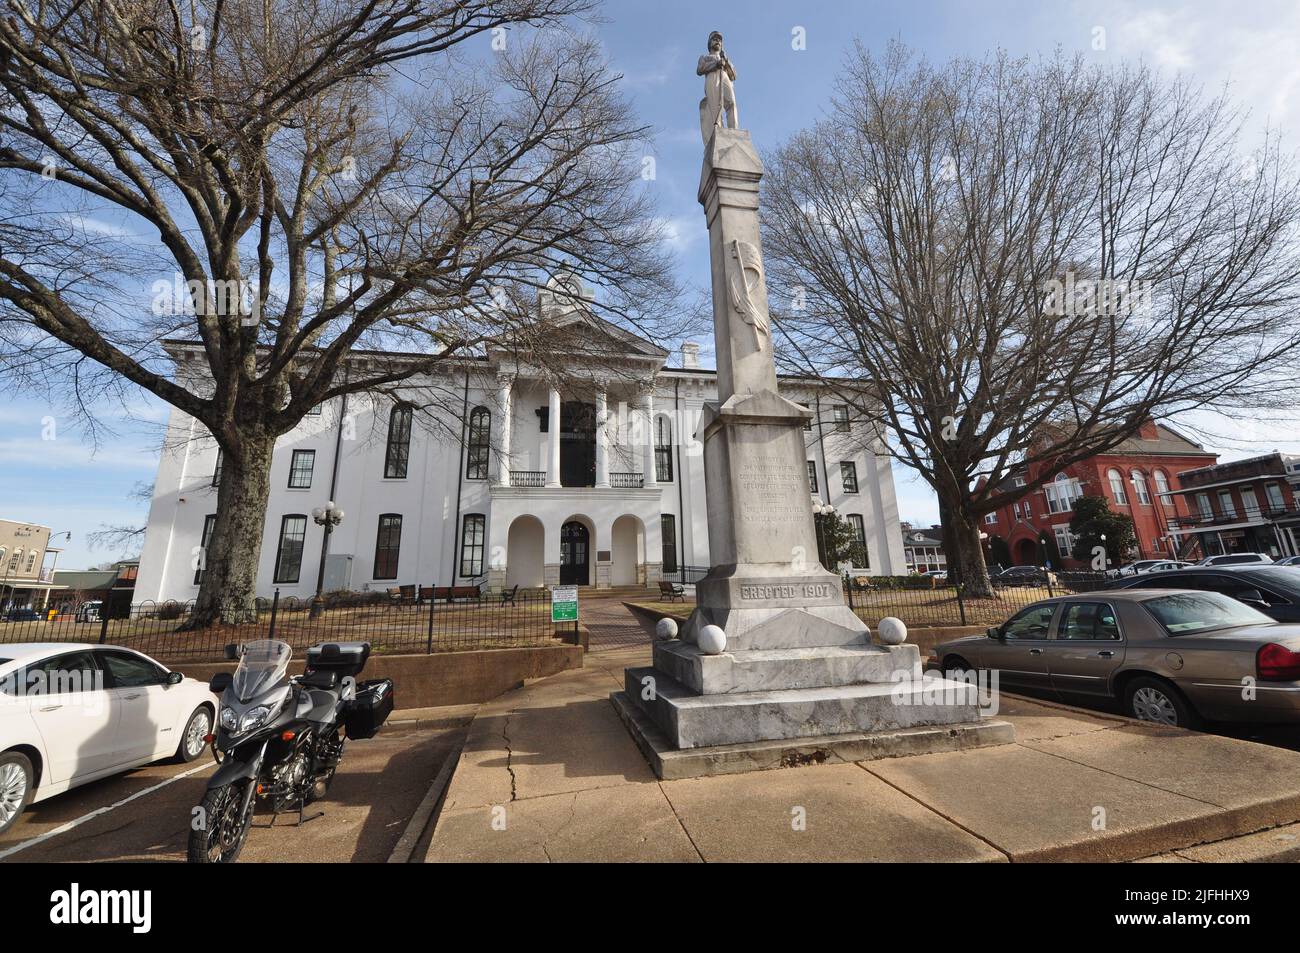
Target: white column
x=553, y=440
x=505, y=402
x=602, y=440
x=648, y=467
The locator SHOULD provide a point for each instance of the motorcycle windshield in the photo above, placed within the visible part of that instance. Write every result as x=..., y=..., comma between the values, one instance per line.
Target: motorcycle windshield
x=264, y=664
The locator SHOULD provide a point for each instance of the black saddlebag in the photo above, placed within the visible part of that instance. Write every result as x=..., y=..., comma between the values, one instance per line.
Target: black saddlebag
x=345, y=658
x=366, y=714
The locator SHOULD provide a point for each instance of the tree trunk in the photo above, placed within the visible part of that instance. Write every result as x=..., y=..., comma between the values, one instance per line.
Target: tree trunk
x=964, y=549
x=228, y=592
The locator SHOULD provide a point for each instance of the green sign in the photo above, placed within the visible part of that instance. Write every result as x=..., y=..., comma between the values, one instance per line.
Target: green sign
x=564, y=603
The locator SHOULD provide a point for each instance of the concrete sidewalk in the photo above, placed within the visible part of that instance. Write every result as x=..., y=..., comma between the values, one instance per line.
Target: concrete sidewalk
x=550, y=773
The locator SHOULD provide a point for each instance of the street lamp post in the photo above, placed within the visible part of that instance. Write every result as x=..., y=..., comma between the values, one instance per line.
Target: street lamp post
x=327, y=516
x=822, y=512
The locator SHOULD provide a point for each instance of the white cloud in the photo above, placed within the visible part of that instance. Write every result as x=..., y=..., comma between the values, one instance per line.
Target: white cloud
x=67, y=452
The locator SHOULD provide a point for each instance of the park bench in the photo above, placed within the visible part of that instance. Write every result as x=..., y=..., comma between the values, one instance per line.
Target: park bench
x=452, y=593
x=671, y=590
x=508, y=595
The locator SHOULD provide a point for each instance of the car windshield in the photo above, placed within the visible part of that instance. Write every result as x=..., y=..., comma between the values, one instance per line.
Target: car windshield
x=263, y=664
x=1185, y=613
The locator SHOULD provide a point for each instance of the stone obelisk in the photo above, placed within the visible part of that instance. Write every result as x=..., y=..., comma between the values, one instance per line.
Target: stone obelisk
x=772, y=667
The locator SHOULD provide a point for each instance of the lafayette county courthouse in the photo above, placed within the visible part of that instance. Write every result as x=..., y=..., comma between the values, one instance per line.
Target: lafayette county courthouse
x=601, y=487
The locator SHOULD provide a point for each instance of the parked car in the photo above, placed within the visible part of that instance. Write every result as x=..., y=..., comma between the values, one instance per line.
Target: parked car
x=1021, y=576
x=89, y=611
x=23, y=614
x=1171, y=656
x=1273, y=590
x=70, y=714
x=1145, y=566
x=1235, y=559
x=1287, y=561
x=938, y=575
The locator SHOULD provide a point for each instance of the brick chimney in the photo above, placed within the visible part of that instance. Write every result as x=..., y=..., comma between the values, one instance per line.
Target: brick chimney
x=690, y=354
x=1148, y=430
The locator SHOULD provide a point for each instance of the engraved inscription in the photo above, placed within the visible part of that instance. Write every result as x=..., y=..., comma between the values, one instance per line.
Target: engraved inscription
x=772, y=487
x=798, y=590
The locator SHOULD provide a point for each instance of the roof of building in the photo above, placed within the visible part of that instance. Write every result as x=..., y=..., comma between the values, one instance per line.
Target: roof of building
x=85, y=579
x=923, y=536
x=1167, y=441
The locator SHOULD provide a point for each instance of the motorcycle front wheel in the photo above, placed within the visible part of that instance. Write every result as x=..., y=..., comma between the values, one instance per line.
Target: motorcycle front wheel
x=220, y=827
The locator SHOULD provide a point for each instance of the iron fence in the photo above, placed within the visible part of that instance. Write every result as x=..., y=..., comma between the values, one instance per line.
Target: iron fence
x=919, y=601
x=459, y=620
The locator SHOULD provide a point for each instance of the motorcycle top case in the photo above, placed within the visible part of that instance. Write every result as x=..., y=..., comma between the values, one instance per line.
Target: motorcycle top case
x=366, y=714
x=345, y=658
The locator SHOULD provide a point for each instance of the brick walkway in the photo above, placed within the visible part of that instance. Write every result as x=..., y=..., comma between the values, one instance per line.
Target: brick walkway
x=611, y=625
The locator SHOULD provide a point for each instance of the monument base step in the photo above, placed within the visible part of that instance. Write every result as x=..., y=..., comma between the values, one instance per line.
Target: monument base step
x=690, y=720
x=670, y=763
x=765, y=670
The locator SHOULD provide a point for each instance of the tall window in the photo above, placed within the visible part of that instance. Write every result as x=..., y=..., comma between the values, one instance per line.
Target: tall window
x=1162, y=486
x=480, y=439
x=1273, y=493
x=668, y=534
x=31, y=560
x=1226, y=506
x=1061, y=493
x=304, y=461
x=1140, y=487
x=1064, y=540
x=209, y=523
x=1249, y=502
x=663, y=449
x=860, y=535
x=1117, y=487
x=399, y=442
x=1204, y=506
x=388, y=546
x=849, y=476
x=288, y=557
x=216, y=471
x=472, y=537
x=812, y=476
x=841, y=419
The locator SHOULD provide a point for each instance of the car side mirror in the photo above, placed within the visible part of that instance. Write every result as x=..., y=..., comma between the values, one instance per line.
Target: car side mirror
x=993, y=632
x=174, y=678
x=232, y=652
x=220, y=682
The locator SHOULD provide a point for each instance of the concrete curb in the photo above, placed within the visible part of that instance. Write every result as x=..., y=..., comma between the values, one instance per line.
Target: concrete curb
x=426, y=815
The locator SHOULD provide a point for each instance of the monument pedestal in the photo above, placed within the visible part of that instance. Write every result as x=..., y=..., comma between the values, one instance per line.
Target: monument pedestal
x=798, y=679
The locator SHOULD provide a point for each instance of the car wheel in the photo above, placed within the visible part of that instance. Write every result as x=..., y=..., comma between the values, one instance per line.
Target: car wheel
x=194, y=738
x=954, y=666
x=16, y=787
x=1154, y=700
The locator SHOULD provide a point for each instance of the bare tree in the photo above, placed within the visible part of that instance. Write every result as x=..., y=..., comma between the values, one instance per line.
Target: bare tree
x=302, y=179
x=1029, y=259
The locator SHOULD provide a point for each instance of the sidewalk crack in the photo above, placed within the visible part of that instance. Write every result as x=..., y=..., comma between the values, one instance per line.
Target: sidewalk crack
x=672, y=807
x=505, y=736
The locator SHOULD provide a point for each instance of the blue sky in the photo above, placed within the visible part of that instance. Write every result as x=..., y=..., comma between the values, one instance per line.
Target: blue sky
x=68, y=484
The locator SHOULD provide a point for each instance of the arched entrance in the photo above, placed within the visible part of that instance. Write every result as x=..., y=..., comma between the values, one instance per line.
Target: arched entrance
x=1027, y=553
x=575, y=554
x=525, y=553
x=627, y=543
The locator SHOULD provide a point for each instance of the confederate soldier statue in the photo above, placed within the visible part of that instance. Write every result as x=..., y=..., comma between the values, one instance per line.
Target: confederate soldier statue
x=719, y=95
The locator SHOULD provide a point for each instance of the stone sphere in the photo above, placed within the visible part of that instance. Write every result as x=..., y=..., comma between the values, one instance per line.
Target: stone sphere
x=666, y=629
x=892, y=631
x=712, y=640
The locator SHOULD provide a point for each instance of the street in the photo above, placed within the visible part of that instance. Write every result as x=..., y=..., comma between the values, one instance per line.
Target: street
x=145, y=814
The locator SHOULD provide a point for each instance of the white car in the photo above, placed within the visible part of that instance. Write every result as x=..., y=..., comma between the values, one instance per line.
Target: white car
x=70, y=714
x=1235, y=559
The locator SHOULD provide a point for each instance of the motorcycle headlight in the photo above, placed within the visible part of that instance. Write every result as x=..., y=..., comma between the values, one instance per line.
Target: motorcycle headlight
x=254, y=717
x=227, y=719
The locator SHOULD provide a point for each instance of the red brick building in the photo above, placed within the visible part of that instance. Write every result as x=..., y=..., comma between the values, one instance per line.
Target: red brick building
x=1139, y=478
x=1244, y=506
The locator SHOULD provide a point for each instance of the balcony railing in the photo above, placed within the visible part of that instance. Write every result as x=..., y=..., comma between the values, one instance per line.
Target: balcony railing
x=626, y=481
x=528, y=478
x=1238, y=514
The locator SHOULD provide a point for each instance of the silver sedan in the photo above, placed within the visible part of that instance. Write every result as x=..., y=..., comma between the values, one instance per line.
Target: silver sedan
x=1171, y=656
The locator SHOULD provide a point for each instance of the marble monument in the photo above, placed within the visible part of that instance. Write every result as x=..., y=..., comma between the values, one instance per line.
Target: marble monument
x=772, y=667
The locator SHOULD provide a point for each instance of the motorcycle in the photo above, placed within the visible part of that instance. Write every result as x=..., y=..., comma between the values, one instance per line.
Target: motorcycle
x=280, y=738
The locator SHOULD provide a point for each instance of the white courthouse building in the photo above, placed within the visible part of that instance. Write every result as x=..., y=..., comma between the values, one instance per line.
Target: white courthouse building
x=598, y=484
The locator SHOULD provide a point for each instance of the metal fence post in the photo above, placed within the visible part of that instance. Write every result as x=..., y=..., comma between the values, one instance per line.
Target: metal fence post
x=275, y=602
x=433, y=602
x=103, y=622
x=961, y=605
